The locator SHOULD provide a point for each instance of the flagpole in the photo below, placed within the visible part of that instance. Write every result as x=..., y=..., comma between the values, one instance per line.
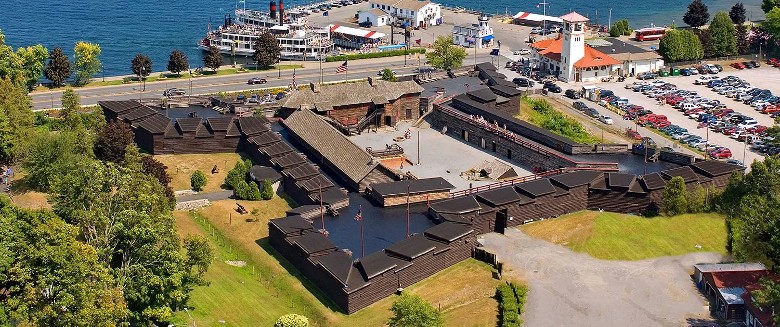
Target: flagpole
x=346, y=70
x=362, y=242
x=407, y=211
x=322, y=211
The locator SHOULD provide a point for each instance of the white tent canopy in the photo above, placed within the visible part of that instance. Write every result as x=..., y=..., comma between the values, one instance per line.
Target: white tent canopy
x=527, y=16
x=359, y=32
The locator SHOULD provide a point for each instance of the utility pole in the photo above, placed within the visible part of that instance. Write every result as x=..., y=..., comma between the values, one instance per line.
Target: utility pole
x=609, y=20
x=544, y=13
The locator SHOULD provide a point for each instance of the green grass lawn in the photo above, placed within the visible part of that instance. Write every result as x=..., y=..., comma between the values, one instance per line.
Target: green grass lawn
x=555, y=121
x=613, y=236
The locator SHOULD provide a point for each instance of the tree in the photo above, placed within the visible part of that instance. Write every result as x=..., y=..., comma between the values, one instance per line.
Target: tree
x=58, y=69
x=212, y=59
x=87, y=62
x=238, y=174
x=743, y=39
x=388, y=75
x=705, y=40
x=292, y=320
x=772, y=23
x=675, y=201
x=680, y=45
x=620, y=28
x=768, y=5
x=446, y=55
x=267, y=50
x=199, y=254
x=769, y=297
x=178, y=62
x=737, y=14
x=32, y=60
x=112, y=141
x=412, y=311
x=697, y=15
x=141, y=65
x=723, y=35
x=71, y=104
x=50, y=277
x=152, y=167
x=16, y=121
x=51, y=157
x=268, y=190
x=198, y=180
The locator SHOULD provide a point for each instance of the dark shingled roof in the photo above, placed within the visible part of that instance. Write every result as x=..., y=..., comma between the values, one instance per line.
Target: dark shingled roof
x=233, y=129
x=411, y=247
x=685, y=172
x=377, y=263
x=714, y=168
x=292, y=224
x=600, y=183
x=314, y=184
x=577, y=178
x=483, y=95
x=188, y=125
x=502, y=196
x=486, y=66
x=302, y=172
x=253, y=125
x=203, y=130
x=261, y=173
x=330, y=195
x=619, y=180
x=464, y=204
x=277, y=149
x=425, y=185
x=313, y=242
x=289, y=160
x=138, y=113
x=458, y=219
x=156, y=124
x=265, y=138
x=119, y=107
x=355, y=281
x=537, y=188
x=338, y=264
x=220, y=123
x=452, y=86
x=303, y=209
x=448, y=232
x=653, y=181
x=505, y=90
x=636, y=187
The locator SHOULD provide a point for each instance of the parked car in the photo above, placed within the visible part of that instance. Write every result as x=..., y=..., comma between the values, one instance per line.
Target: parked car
x=572, y=94
x=280, y=95
x=367, y=23
x=173, y=91
x=521, y=52
x=720, y=153
x=646, y=76
x=579, y=105
x=256, y=80
x=738, y=65
x=606, y=120
x=523, y=82
x=592, y=112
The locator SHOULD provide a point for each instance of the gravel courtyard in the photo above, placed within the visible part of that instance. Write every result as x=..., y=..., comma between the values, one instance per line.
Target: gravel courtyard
x=574, y=289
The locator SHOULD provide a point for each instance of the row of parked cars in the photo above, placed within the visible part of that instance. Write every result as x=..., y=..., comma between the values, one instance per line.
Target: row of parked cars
x=745, y=65
x=762, y=100
x=593, y=113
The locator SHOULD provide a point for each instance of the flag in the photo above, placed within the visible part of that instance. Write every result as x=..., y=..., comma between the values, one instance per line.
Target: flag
x=494, y=52
x=359, y=215
x=418, y=41
x=342, y=68
x=325, y=13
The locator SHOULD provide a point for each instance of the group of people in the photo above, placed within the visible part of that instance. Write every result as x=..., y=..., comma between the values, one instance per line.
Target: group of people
x=484, y=122
x=6, y=174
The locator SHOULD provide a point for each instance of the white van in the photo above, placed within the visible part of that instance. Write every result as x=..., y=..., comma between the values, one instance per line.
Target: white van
x=688, y=106
x=704, y=79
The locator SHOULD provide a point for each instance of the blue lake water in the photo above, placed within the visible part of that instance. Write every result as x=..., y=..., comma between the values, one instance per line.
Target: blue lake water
x=126, y=27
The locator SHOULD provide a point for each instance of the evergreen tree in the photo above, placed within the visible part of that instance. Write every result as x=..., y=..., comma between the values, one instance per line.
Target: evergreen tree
x=706, y=41
x=743, y=39
x=723, y=35
x=446, y=55
x=267, y=50
x=675, y=200
x=253, y=192
x=198, y=180
x=178, y=62
x=268, y=190
x=141, y=65
x=58, y=69
x=768, y=5
x=697, y=15
x=737, y=14
x=212, y=58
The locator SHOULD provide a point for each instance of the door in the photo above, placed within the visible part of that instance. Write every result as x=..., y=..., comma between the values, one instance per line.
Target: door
x=388, y=121
x=408, y=113
x=493, y=145
x=501, y=217
x=509, y=153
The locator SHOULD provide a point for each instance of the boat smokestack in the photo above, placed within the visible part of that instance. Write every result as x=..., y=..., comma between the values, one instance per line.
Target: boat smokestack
x=281, y=12
x=272, y=9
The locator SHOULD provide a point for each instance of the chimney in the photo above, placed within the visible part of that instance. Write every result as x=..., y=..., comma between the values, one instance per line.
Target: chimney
x=272, y=9
x=371, y=81
x=281, y=12
x=314, y=87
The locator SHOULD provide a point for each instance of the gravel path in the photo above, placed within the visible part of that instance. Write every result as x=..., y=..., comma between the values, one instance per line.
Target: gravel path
x=574, y=289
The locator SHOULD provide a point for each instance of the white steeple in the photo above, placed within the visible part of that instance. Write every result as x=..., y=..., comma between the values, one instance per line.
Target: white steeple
x=573, y=47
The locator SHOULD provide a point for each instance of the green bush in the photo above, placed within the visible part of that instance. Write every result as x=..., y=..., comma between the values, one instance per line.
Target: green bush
x=554, y=121
x=383, y=54
x=198, y=180
x=292, y=320
x=619, y=28
x=238, y=173
x=268, y=190
x=507, y=306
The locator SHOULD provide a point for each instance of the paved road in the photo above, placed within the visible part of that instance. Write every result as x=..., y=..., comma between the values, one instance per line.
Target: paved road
x=236, y=82
x=211, y=196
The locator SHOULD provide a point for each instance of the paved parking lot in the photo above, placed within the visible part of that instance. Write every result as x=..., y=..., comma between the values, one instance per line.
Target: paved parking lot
x=763, y=77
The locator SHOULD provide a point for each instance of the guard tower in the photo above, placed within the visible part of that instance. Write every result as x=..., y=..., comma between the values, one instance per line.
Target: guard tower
x=573, y=47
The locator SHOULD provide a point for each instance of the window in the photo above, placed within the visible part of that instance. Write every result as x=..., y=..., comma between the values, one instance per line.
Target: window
x=412, y=12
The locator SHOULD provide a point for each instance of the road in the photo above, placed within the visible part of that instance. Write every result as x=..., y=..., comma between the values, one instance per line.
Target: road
x=236, y=82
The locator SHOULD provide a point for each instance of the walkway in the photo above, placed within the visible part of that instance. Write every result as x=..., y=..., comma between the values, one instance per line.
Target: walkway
x=211, y=196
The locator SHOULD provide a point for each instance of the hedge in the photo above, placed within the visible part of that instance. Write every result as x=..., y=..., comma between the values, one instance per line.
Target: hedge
x=382, y=54
x=511, y=298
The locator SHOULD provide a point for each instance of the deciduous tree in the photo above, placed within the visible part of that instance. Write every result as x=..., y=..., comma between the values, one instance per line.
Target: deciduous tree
x=737, y=14
x=697, y=14
x=87, y=62
x=411, y=311
x=141, y=65
x=620, y=28
x=16, y=121
x=178, y=62
x=743, y=39
x=723, y=35
x=267, y=50
x=71, y=104
x=112, y=141
x=52, y=156
x=769, y=297
x=152, y=167
x=199, y=254
x=58, y=69
x=675, y=200
x=680, y=45
x=446, y=55
x=772, y=23
x=768, y=5
x=212, y=58
x=32, y=59
x=388, y=75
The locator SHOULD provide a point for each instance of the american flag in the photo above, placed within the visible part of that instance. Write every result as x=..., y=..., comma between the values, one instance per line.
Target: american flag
x=342, y=68
x=359, y=215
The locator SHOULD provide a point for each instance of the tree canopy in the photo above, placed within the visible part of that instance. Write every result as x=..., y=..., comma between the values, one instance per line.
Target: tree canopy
x=197, y=180
x=87, y=62
x=737, y=13
x=680, y=45
x=675, y=200
x=71, y=104
x=697, y=14
x=16, y=121
x=58, y=69
x=178, y=62
x=267, y=50
x=212, y=58
x=620, y=28
x=723, y=35
x=446, y=55
x=112, y=141
x=23, y=67
x=388, y=75
x=768, y=5
x=141, y=65
x=412, y=311
x=772, y=23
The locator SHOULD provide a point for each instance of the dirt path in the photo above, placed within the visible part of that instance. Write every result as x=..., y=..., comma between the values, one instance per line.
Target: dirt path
x=574, y=289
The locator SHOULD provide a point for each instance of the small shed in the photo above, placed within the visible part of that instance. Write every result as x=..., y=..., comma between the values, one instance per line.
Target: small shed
x=416, y=190
x=258, y=174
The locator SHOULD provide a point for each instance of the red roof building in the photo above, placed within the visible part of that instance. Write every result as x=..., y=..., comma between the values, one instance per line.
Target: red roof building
x=730, y=295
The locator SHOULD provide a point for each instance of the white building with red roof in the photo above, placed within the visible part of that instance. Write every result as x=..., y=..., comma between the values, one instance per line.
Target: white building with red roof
x=569, y=58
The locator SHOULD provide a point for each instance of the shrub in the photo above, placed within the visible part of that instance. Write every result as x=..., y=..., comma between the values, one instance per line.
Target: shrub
x=383, y=54
x=268, y=190
x=507, y=306
x=292, y=320
x=198, y=180
x=412, y=311
x=253, y=192
x=241, y=189
x=675, y=197
x=554, y=121
x=238, y=173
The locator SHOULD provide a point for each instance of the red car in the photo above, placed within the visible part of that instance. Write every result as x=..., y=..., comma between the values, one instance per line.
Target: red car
x=729, y=130
x=721, y=153
x=661, y=124
x=758, y=129
x=738, y=65
x=633, y=134
x=722, y=112
x=770, y=109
